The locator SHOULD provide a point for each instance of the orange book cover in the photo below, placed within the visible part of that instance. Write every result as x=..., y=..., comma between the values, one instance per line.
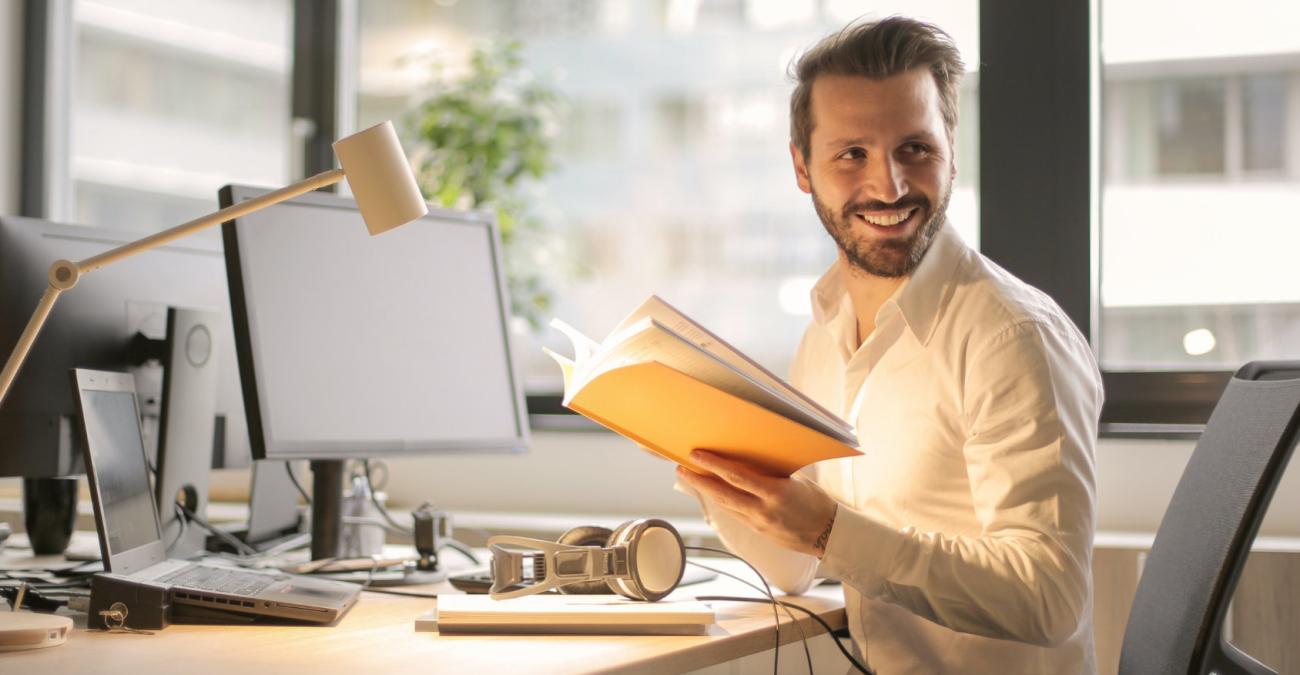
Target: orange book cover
x=671, y=395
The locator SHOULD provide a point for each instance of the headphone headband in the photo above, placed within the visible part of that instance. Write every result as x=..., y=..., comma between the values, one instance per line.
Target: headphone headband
x=643, y=560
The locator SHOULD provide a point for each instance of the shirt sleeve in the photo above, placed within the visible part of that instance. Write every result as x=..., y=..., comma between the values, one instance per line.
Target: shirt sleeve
x=1031, y=400
x=790, y=571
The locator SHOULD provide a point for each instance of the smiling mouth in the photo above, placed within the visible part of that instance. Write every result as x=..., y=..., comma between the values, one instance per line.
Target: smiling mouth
x=888, y=219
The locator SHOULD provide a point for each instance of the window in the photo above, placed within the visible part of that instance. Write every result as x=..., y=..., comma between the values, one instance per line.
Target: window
x=169, y=101
x=673, y=175
x=1201, y=169
x=1216, y=128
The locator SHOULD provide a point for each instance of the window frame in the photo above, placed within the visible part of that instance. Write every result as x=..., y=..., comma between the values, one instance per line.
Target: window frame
x=46, y=108
x=1040, y=84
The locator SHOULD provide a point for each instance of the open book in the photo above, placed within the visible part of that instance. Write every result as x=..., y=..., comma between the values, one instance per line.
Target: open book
x=665, y=382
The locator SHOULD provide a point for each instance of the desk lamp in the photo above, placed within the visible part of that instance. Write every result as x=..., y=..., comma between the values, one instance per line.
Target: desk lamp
x=372, y=161
x=385, y=193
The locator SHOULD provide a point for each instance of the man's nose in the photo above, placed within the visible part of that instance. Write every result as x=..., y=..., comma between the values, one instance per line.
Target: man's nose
x=885, y=180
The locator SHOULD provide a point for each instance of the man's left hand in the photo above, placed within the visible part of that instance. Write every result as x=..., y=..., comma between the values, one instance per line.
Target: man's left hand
x=793, y=512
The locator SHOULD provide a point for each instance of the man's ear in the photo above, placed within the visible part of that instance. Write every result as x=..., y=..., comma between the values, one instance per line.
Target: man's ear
x=800, y=169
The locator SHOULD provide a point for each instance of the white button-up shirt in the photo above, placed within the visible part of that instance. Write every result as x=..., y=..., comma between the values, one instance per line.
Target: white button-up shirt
x=963, y=535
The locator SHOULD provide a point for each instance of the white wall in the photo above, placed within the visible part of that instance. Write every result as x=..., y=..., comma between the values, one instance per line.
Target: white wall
x=574, y=472
x=599, y=473
x=1136, y=479
x=11, y=45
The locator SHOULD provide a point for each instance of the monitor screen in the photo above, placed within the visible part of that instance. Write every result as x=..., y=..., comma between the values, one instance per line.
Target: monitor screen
x=353, y=345
x=117, y=454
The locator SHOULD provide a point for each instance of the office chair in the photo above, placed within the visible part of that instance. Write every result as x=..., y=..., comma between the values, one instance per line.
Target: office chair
x=1176, y=623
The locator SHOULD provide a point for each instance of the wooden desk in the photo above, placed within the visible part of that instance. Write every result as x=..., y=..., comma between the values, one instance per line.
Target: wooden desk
x=378, y=636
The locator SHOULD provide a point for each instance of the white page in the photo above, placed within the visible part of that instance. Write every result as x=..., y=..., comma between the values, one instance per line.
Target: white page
x=656, y=308
x=583, y=346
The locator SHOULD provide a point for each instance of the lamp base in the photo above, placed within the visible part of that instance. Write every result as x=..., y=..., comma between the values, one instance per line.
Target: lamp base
x=29, y=630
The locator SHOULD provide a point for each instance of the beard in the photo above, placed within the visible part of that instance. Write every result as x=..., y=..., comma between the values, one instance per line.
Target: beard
x=892, y=257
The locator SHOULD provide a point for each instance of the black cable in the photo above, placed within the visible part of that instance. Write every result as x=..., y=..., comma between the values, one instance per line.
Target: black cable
x=184, y=520
x=803, y=635
x=410, y=531
x=409, y=594
x=374, y=499
x=352, y=520
x=462, y=549
x=288, y=467
x=35, y=598
x=776, y=651
x=28, y=573
x=75, y=571
x=241, y=547
x=830, y=631
x=38, y=582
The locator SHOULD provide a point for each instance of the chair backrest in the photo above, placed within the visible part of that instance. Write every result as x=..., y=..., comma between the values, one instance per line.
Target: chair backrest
x=1175, y=625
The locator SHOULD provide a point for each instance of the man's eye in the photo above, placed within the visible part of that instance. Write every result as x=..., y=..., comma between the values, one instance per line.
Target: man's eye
x=916, y=148
x=853, y=153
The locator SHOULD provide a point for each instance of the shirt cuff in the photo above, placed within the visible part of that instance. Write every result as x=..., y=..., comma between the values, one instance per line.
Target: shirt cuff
x=860, y=549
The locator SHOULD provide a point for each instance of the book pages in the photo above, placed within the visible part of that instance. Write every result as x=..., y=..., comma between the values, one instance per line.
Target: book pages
x=658, y=309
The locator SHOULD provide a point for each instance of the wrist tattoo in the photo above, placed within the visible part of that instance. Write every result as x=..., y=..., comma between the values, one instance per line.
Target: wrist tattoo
x=820, y=544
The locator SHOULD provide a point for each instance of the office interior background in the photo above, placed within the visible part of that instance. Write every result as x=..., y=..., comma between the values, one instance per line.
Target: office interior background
x=671, y=176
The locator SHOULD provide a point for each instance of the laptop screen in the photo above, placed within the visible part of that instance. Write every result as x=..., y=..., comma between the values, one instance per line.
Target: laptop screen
x=117, y=453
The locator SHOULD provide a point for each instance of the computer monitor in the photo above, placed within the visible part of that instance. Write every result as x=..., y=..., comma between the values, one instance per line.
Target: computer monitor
x=352, y=346
x=95, y=326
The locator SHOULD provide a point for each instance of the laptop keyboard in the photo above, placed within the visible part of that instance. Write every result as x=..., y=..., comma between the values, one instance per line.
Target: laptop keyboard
x=221, y=580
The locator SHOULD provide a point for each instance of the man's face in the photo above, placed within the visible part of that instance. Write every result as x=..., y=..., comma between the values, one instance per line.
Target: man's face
x=880, y=167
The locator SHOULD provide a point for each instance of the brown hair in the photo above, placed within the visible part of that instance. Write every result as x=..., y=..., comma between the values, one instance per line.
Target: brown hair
x=877, y=50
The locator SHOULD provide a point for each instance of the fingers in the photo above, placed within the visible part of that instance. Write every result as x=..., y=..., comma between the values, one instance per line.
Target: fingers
x=720, y=492
x=738, y=474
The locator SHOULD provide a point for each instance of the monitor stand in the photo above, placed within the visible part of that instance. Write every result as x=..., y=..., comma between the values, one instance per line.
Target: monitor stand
x=327, y=525
x=272, y=504
x=187, y=425
x=326, y=508
x=49, y=483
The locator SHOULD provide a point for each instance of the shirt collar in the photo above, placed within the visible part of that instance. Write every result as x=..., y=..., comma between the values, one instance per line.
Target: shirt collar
x=920, y=300
x=923, y=297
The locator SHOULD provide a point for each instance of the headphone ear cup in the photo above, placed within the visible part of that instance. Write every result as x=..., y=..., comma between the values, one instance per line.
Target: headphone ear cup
x=586, y=535
x=619, y=533
x=656, y=559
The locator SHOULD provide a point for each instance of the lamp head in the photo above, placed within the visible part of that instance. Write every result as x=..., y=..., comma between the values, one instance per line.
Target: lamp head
x=380, y=177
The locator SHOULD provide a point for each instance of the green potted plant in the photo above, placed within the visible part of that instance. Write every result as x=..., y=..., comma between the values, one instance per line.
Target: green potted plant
x=481, y=140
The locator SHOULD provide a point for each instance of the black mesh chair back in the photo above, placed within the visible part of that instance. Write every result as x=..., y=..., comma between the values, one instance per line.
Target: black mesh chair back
x=1175, y=625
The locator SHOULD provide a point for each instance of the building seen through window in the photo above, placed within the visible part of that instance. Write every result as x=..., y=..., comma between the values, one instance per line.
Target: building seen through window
x=1201, y=178
x=170, y=100
x=673, y=175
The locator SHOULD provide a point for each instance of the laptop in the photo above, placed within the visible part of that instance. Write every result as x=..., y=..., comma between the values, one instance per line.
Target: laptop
x=130, y=538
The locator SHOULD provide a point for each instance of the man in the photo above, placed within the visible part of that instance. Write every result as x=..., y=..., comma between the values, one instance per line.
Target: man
x=963, y=534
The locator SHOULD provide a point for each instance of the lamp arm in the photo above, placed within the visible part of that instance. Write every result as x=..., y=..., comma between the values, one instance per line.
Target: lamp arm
x=231, y=212
x=27, y=338
x=64, y=274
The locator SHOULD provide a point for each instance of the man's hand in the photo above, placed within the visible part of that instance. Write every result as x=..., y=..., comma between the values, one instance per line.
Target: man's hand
x=793, y=512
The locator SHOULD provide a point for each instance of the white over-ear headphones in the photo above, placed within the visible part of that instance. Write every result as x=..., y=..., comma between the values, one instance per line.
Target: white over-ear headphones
x=641, y=559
